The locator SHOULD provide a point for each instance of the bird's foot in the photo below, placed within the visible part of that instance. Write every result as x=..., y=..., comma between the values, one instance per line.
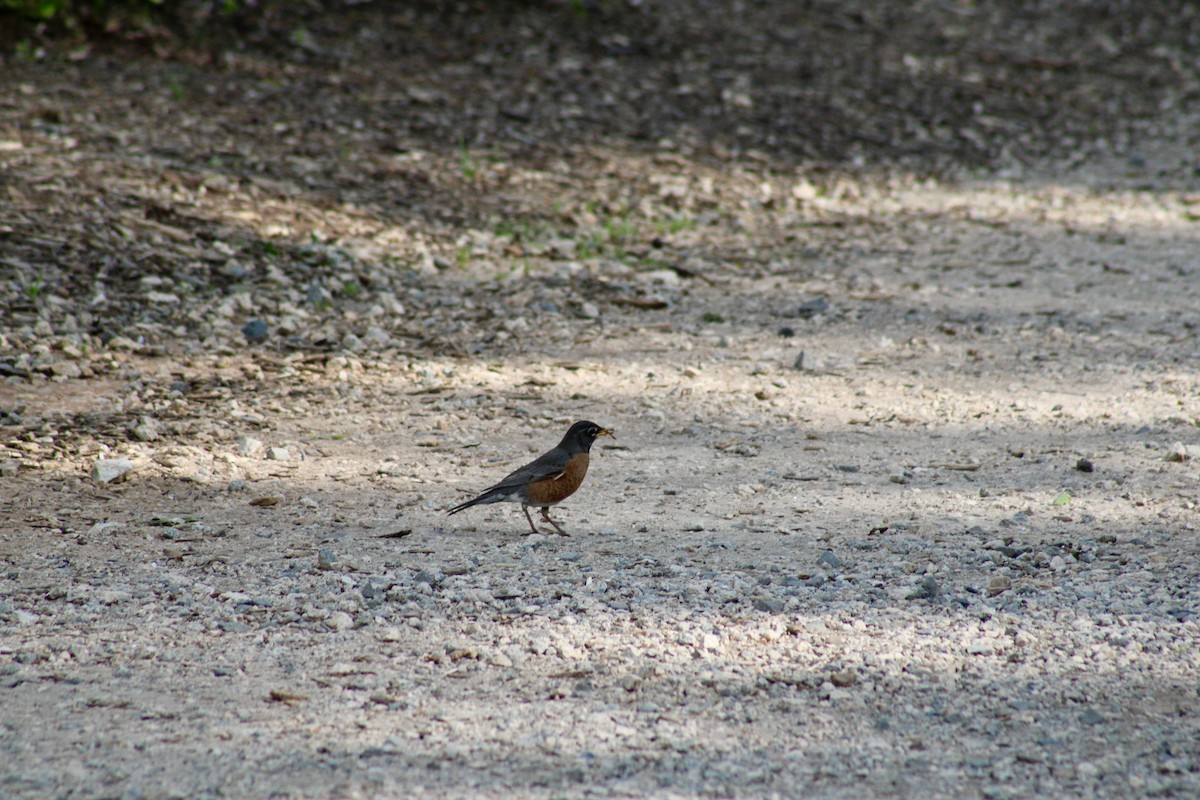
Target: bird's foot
x=546, y=516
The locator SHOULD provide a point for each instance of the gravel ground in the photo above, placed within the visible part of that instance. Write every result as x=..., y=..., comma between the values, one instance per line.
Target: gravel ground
x=903, y=499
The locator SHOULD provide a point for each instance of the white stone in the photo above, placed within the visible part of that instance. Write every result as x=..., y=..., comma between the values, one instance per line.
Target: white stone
x=339, y=621
x=107, y=470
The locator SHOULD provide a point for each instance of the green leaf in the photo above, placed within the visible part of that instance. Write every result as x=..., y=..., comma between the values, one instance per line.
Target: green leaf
x=1062, y=499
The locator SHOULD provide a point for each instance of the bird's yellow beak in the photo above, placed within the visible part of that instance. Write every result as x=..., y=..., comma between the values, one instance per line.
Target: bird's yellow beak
x=605, y=432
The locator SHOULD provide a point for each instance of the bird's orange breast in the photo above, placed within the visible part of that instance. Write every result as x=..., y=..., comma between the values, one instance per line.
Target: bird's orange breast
x=549, y=491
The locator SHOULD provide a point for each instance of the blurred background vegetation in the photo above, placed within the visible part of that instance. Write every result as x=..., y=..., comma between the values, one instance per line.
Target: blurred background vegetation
x=139, y=19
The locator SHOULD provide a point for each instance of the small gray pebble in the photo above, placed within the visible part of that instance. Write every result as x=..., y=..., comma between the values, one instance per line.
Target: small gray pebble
x=927, y=589
x=326, y=558
x=317, y=297
x=425, y=576
x=811, y=308
x=255, y=331
x=768, y=604
x=829, y=559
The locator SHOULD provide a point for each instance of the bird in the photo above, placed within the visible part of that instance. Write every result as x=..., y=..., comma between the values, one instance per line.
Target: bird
x=549, y=479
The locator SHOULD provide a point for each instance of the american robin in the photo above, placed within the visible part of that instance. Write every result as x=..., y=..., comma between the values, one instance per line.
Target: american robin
x=550, y=479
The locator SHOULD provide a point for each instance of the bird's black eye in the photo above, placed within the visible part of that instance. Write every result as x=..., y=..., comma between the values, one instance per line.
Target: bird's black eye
x=593, y=431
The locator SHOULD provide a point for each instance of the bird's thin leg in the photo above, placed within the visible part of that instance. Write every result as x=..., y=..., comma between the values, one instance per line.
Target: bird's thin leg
x=546, y=516
x=532, y=527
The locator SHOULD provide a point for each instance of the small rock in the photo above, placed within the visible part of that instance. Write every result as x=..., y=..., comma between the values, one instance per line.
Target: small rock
x=927, y=589
x=768, y=604
x=146, y=430
x=288, y=697
x=844, y=678
x=829, y=559
x=427, y=577
x=804, y=190
x=981, y=647
x=317, y=297
x=811, y=308
x=255, y=331
x=279, y=454
x=1181, y=452
x=799, y=362
x=66, y=369
x=998, y=585
x=339, y=621
x=123, y=343
x=377, y=337
x=1092, y=717
x=249, y=446
x=390, y=304
x=107, y=470
x=787, y=332
x=326, y=558
x=8, y=469
x=589, y=310
x=391, y=634
x=1085, y=465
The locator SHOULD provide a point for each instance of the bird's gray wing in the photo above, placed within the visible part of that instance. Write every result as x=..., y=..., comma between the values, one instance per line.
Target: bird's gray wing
x=548, y=465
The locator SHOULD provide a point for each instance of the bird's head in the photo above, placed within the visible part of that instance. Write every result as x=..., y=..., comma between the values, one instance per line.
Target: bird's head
x=583, y=433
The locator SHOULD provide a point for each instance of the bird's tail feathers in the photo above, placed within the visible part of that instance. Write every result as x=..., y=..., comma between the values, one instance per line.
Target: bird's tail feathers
x=493, y=495
x=462, y=506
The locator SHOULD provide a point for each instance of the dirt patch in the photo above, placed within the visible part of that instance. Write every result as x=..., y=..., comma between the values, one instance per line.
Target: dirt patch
x=894, y=312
